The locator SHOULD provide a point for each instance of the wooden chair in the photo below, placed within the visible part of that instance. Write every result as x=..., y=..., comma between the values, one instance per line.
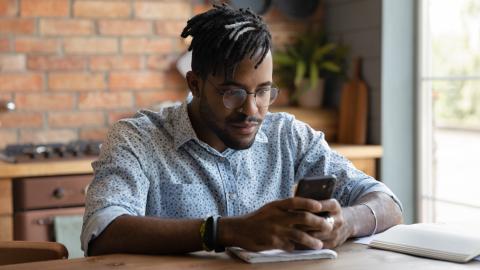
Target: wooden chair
x=12, y=252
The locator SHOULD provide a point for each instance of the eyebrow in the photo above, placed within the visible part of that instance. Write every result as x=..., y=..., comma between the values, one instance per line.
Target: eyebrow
x=234, y=83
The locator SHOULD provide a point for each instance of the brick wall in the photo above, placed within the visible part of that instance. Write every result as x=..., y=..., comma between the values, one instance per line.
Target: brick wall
x=73, y=67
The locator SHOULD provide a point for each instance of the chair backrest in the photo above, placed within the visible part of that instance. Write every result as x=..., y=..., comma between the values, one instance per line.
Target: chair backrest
x=12, y=252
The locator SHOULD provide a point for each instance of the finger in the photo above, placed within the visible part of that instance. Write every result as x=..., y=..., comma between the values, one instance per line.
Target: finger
x=299, y=203
x=331, y=206
x=304, y=239
x=330, y=244
x=318, y=224
x=288, y=246
x=304, y=219
x=323, y=235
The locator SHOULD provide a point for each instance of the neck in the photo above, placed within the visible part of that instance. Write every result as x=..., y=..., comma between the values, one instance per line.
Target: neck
x=203, y=132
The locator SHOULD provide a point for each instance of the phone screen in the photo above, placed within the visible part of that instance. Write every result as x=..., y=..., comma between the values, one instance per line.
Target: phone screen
x=316, y=187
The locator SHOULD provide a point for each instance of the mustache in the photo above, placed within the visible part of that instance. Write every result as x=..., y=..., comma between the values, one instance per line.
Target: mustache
x=242, y=118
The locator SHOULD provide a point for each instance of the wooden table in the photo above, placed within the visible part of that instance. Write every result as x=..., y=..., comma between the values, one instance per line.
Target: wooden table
x=350, y=256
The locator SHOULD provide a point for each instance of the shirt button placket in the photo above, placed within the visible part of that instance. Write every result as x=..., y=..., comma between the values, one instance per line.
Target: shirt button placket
x=231, y=190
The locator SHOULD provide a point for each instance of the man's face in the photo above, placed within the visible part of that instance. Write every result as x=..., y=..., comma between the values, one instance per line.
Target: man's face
x=237, y=127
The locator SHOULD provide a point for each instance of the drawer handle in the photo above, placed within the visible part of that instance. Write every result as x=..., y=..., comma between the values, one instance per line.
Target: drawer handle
x=44, y=221
x=58, y=193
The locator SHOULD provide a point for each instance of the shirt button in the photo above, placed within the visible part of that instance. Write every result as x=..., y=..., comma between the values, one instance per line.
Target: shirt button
x=232, y=196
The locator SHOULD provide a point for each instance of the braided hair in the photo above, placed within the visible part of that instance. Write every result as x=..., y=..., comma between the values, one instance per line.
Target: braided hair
x=223, y=36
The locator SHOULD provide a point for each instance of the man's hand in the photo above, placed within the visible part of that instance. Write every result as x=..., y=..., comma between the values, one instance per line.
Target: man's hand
x=341, y=231
x=280, y=225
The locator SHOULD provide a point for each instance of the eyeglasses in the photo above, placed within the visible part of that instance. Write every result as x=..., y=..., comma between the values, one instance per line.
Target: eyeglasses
x=235, y=97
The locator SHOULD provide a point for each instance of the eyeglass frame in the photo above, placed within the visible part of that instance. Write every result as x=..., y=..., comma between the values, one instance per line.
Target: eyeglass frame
x=222, y=92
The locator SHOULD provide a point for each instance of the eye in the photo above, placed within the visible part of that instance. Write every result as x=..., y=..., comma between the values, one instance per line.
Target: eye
x=235, y=92
x=263, y=92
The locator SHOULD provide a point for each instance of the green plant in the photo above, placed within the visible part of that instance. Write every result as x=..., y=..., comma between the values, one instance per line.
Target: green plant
x=309, y=57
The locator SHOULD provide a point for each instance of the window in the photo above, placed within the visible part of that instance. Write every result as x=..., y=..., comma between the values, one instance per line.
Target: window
x=449, y=110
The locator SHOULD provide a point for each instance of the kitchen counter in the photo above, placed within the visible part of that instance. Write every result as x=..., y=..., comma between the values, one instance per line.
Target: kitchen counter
x=83, y=166
x=9, y=170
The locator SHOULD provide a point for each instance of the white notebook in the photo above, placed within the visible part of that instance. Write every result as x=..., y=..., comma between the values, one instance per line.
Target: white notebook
x=437, y=241
x=277, y=255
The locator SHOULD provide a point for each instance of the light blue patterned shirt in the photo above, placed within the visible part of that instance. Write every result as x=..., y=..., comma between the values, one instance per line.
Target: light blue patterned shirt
x=154, y=165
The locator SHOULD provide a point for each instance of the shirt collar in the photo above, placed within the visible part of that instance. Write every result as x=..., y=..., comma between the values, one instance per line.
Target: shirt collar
x=182, y=129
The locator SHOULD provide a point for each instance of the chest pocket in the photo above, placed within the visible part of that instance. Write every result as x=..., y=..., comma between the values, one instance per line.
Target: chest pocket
x=187, y=201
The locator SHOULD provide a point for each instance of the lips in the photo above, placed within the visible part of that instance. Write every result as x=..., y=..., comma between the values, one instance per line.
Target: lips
x=244, y=128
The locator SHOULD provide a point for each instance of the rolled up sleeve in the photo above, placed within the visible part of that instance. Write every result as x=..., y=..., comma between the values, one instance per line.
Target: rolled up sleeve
x=317, y=158
x=119, y=186
x=97, y=223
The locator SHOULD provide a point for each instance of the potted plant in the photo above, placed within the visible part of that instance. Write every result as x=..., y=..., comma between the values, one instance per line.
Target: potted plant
x=303, y=65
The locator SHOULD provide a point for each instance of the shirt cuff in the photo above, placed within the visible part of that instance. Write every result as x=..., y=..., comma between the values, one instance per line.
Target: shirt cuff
x=97, y=222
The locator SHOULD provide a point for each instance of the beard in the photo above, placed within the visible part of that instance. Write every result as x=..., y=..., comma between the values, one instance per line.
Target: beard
x=230, y=141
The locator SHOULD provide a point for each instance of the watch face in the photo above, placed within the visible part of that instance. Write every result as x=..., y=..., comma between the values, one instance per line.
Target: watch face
x=258, y=6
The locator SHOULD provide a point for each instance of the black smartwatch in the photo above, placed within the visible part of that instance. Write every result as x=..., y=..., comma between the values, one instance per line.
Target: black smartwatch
x=210, y=235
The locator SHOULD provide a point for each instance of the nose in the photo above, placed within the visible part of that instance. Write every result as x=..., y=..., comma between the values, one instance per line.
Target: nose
x=249, y=107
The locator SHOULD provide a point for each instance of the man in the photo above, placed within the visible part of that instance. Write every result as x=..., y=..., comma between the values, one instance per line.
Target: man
x=219, y=170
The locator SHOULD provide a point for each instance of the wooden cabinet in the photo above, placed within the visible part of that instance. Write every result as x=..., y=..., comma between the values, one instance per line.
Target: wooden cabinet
x=6, y=210
x=13, y=172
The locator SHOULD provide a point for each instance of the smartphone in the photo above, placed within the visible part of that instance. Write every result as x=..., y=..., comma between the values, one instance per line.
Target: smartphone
x=317, y=187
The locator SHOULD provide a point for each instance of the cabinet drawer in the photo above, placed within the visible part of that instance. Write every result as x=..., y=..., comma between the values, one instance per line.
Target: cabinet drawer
x=50, y=192
x=38, y=225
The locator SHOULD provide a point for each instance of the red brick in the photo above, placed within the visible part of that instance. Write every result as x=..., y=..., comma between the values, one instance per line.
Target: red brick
x=115, y=116
x=76, y=119
x=20, y=82
x=96, y=134
x=115, y=62
x=17, y=26
x=6, y=96
x=174, y=80
x=8, y=8
x=56, y=63
x=20, y=120
x=45, y=102
x=32, y=8
x=125, y=28
x=102, y=9
x=12, y=62
x=147, y=99
x=48, y=136
x=91, y=45
x=7, y=137
x=55, y=27
x=4, y=45
x=163, y=10
x=118, y=100
x=136, y=80
x=76, y=81
x=36, y=45
x=201, y=8
x=161, y=62
x=144, y=45
x=169, y=28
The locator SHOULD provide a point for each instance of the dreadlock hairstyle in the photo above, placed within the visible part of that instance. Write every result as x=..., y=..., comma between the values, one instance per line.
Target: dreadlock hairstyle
x=223, y=36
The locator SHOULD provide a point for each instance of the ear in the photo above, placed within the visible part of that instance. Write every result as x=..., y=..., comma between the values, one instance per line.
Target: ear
x=193, y=83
